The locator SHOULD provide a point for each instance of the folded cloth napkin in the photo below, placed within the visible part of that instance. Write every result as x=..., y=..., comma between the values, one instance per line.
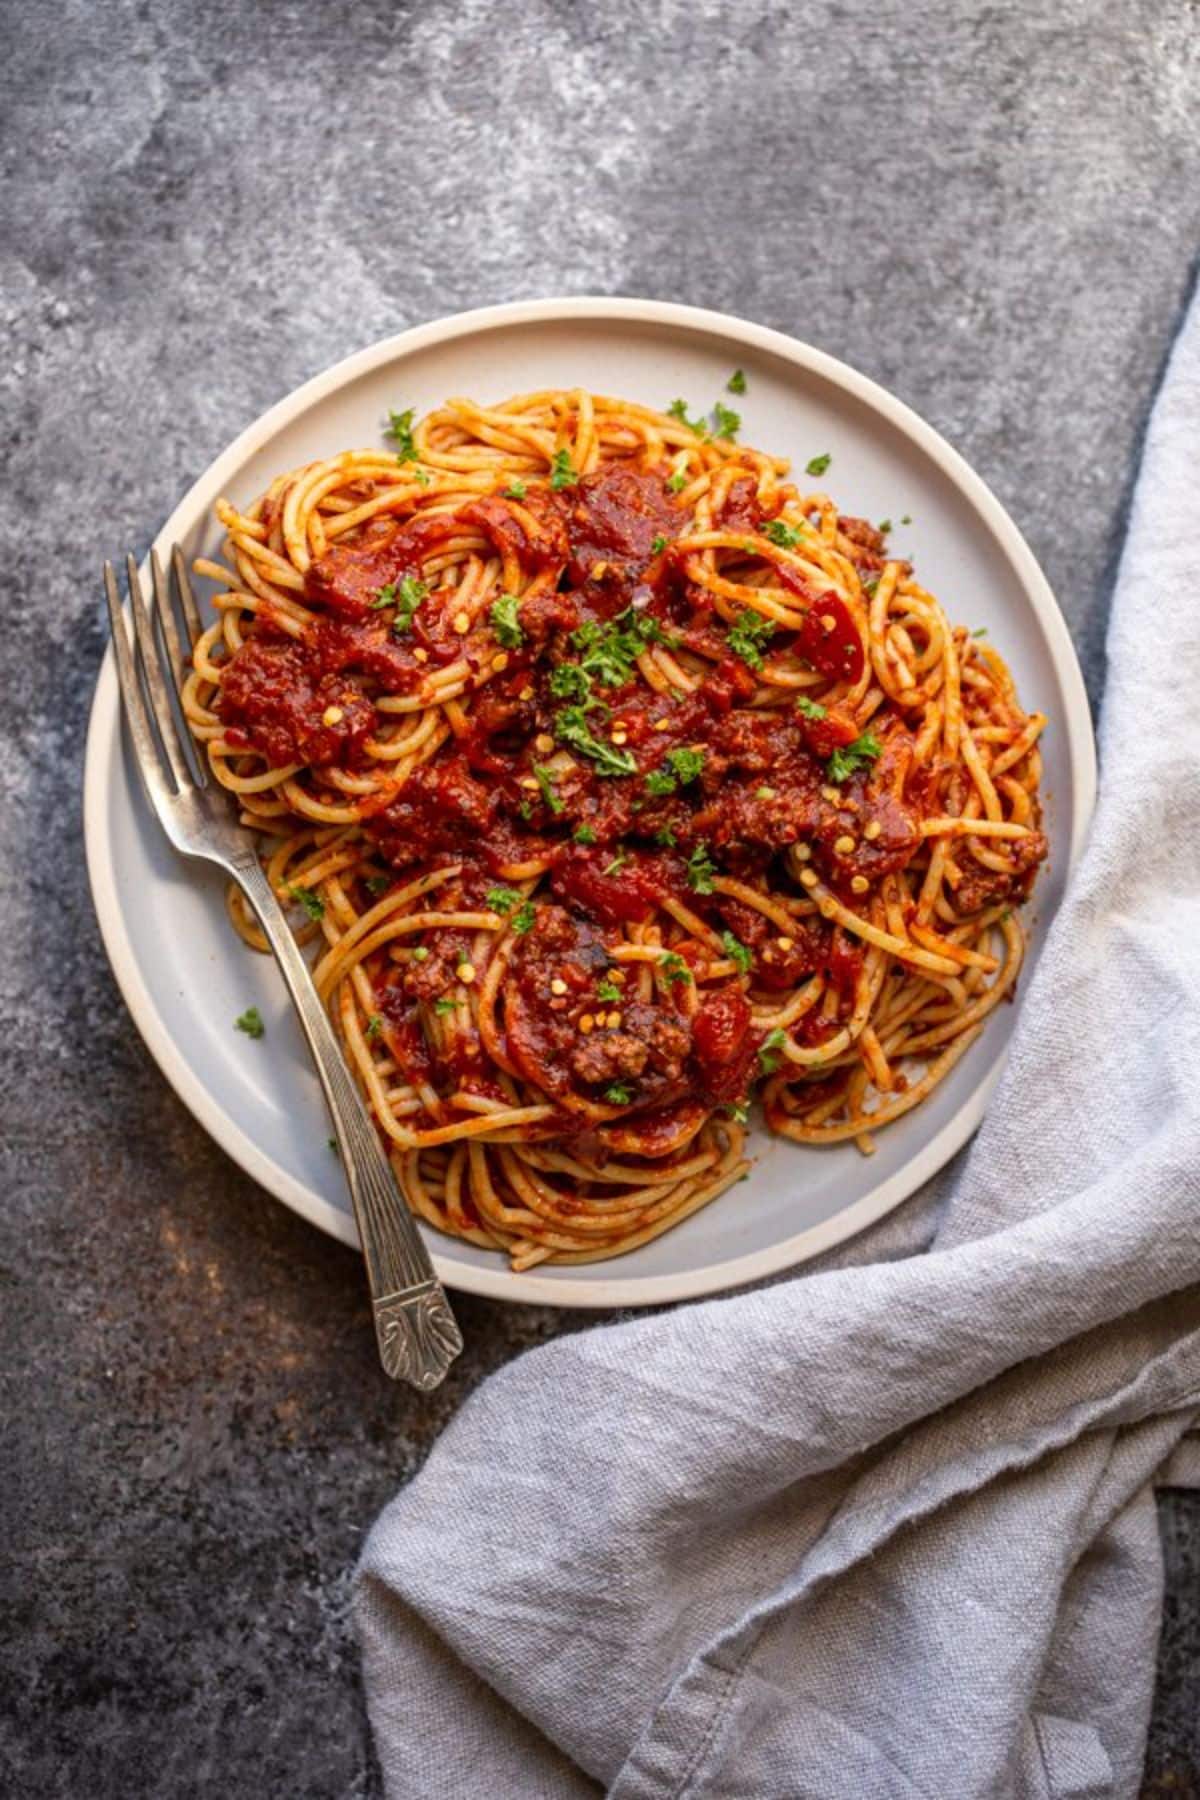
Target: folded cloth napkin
x=881, y=1530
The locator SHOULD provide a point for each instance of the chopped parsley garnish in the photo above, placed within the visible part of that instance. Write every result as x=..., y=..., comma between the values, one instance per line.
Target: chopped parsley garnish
x=700, y=870
x=400, y=431
x=617, y=864
x=374, y=1028
x=748, y=633
x=818, y=464
x=982, y=632
x=609, y=651
x=781, y=533
x=769, y=1049
x=570, y=682
x=674, y=967
x=906, y=518
x=502, y=899
x=444, y=1005
x=571, y=727
x=505, y=621
x=812, y=709
x=738, y=1110
x=522, y=921
x=250, y=1022
x=405, y=598
x=608, y=990
x=736, y=383
x=545, y=781
x=871, y=587
x=665, y=837
x=677, y=480
x=659, y=545
x=515, y=490
x=562, y=475
x=583, y=834
x=660, y=781
x=310, y=900
x=618, y=1094
x=422, y=476
x=736, y=951
x=885, y=525
x=687, y=764
x=726, y=423
x=333, y=1145
x=378, y=884
x=678, y=410
x=843, y=763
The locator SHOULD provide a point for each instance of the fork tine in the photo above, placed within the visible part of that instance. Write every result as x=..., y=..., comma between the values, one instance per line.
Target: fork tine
x=145, y=748
x=156, y=687
x=165, y=608
x=166, y=619
x=187, y=598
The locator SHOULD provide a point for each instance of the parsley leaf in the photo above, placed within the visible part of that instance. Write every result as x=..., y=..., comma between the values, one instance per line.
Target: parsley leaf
x=310, y=900
x=726, y=423
x=569, y=682
x=522, y=921
x=781, y=533
x=400, y=431
x=736, y=951
x=700, y=870
x=608, y=990
x=659, y=781
x=768, y=1052
x=659, y=545
x=678, y=410
x=843, y=763
x=687, y=764
x=677, y=480
x=665, y=837
x=748, y=633
x=674, y=968
x=571, y=727
x=617, y=864
x=444, y=1005
x=506, y=623
x=545, y=781
x=250, y=1022
x=378, y=884
x=562, y=475
x=405, y=599
x=618, y=1094
x=906, y=518
x=818, y=464
x=885, y=525
x=502, y=899
x=738, y=1110
x=812, y=709
x=374, y=1028
x=583, y=834
x=982, y=632
x=736, y=383
x=609, y=651
x=515, y=490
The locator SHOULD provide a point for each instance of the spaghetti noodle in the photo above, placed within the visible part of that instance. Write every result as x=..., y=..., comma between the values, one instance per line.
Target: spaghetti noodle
x=616, y=779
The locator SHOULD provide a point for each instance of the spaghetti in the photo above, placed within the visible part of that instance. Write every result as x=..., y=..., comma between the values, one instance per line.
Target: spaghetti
x=616, y=779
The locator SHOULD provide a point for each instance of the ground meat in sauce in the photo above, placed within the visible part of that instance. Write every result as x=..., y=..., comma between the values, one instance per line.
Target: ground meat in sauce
x=982, y=887
x=275, y=699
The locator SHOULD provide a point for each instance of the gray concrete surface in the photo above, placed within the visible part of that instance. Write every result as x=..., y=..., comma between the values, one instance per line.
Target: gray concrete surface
x=992, y=209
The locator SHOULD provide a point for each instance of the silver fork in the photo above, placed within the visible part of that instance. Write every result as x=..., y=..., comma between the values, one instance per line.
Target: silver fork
x=417, y=1333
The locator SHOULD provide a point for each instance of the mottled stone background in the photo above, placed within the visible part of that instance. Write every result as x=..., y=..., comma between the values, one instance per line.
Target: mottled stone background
x=993, y=209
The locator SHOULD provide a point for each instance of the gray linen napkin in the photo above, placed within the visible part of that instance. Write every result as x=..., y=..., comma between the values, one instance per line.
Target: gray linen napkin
x=886, y=1529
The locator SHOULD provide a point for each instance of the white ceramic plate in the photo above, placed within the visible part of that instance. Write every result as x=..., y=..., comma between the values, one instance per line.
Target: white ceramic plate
x=184, y=975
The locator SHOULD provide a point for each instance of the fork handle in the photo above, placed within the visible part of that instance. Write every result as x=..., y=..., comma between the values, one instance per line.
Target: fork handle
x=417, y=1333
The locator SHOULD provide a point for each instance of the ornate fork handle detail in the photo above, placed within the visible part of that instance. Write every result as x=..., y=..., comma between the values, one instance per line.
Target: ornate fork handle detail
x=417, y=1333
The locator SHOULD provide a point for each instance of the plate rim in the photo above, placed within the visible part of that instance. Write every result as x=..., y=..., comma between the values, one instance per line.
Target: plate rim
x=104, y=739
